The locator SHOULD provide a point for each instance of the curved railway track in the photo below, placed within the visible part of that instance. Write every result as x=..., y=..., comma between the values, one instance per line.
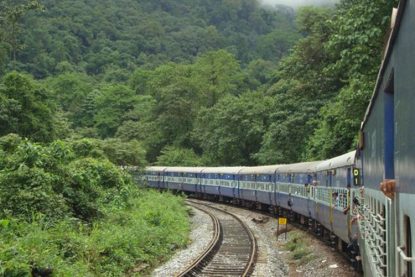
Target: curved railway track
x=232, y=250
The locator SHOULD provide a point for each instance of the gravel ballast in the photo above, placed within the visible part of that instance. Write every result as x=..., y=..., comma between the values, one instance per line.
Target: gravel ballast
x=200, y=236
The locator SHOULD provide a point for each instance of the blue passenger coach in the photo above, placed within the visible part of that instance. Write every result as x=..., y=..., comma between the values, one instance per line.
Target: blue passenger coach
x=257, y=184
x=221, y=181
x=155, y=176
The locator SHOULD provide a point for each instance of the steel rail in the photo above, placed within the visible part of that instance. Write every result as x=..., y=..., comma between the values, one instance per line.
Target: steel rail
x=212, y=247
x=199, y=263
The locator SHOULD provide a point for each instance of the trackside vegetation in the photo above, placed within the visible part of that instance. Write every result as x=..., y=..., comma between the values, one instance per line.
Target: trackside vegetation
x=69, y=211
x=298, y=245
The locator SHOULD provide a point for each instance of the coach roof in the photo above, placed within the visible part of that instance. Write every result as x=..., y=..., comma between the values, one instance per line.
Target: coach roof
x=305, y=167
x=184, y=169
x=265, y=169
x=155, y=168
x=347, y=159
x=223, y=170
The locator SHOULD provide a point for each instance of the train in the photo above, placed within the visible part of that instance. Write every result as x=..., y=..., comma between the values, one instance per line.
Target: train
x=317, y=194
x=362, y=201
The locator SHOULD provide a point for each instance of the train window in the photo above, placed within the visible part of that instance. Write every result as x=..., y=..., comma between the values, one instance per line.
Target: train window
x=408, y=244
x=349, y=177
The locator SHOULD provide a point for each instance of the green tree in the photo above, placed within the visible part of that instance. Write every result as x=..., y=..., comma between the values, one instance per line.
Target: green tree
x=284, y=140
x=9, y=109
x=11, y=14
x=299, y=89
x=355, y=48
x=26, y=187
x=337, y=132
x=219, y=73
x=177, y=102
x=124, y=153
x=76, y=95
x=28, y=109
x=258, y=74
x=230, y=132
x=139, y=124
x=112, y=104
x=175, y=156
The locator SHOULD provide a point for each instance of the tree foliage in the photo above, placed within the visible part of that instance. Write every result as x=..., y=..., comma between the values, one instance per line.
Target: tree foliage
x=174, y=156
x=231, y=131
x=115, y=38
x=11, y=15
x=355, y=49
x=63, y=178
x=322, y=88
x=27, y=108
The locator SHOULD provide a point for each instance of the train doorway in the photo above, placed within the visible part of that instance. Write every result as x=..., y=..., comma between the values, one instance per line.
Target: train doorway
x=392, y=213
x=389, y=130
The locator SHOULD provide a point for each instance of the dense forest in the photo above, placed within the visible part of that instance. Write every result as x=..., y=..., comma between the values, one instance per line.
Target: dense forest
x=138, y=70
x=212, y=82
x=88, y=86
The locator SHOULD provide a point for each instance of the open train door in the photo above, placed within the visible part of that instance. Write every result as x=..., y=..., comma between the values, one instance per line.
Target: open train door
x=392, y=202
x=396, y=186
x=399, y=153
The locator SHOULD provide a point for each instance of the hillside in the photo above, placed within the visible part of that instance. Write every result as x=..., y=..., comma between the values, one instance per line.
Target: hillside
x=107, y=36
x=197, y=82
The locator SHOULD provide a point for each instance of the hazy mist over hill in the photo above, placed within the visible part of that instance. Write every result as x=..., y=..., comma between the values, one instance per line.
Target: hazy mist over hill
x=297, y=3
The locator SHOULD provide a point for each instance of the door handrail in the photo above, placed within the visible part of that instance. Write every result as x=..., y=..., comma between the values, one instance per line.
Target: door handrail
x=403, y=255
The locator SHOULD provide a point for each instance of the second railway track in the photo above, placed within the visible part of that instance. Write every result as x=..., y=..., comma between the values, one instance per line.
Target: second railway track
x=232, y=250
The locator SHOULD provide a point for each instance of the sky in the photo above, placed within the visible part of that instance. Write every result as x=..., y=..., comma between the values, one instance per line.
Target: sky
x=297, y=3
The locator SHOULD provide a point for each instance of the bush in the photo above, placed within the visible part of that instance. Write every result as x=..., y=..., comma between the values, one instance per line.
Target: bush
x=175, y=156
x=30, y=248
x=141, y=236
x=10, y=142
x=25, y=191
x=126, y=240
x=55, y=179
x=87, y=148
x=124, y=153
x=298, y=245
x=27, y=186
x=70, y=214
x=91, y=183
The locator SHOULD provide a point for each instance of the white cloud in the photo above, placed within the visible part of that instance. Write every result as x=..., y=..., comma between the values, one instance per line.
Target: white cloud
x=297, y=3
